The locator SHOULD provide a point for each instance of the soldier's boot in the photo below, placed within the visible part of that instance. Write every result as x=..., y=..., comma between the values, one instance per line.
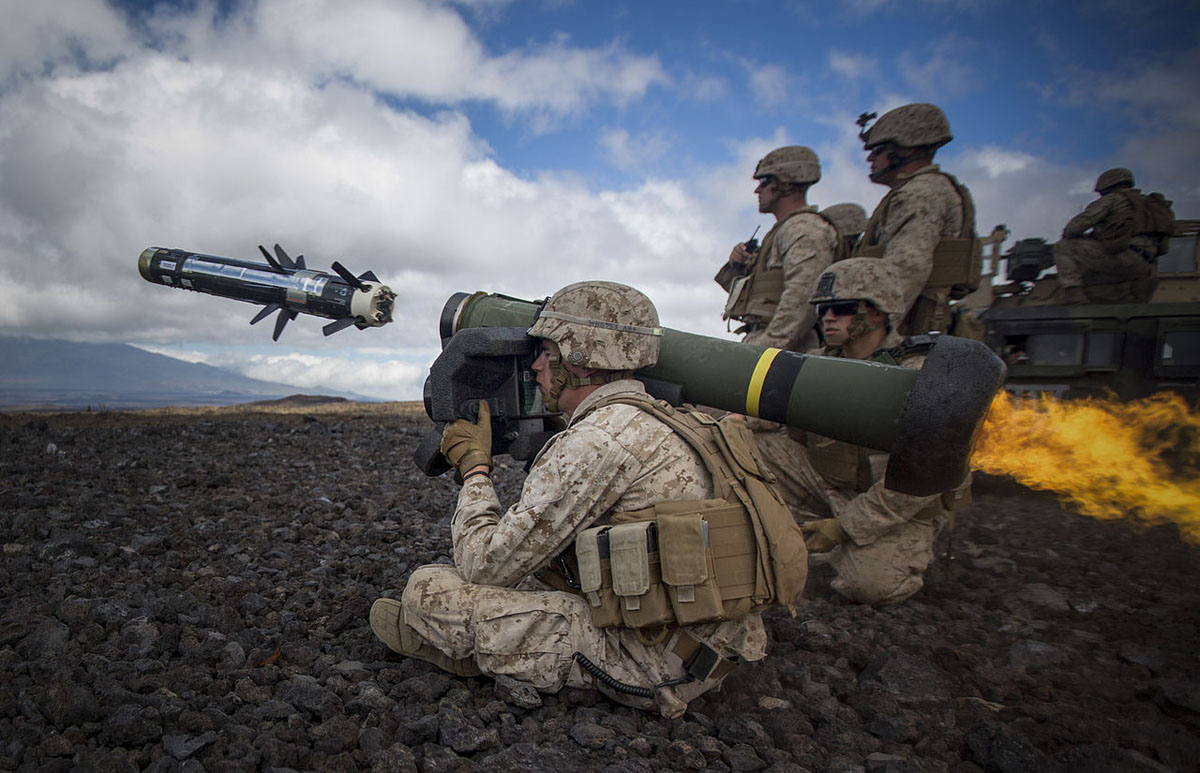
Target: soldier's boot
x=387, y=621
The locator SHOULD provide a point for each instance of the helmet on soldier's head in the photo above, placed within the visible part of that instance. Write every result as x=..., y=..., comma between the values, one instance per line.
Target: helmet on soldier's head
x=1118, y=176
x=601, y=325
x=863, y=279
x=909, y=126
x=790, y=164
x=850, y=219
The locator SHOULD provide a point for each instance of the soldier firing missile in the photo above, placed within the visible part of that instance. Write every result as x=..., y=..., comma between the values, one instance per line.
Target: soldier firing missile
x=927, y=419
x=282, y=284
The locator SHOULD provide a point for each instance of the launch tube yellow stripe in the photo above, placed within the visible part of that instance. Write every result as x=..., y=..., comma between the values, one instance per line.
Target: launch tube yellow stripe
x=754, y=390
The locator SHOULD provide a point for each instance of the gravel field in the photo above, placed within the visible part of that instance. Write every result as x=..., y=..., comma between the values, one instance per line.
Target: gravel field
x=189, y=592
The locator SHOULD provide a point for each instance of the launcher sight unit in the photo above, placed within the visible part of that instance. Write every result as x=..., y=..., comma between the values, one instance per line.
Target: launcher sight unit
x=282, y=284
x=926, y=419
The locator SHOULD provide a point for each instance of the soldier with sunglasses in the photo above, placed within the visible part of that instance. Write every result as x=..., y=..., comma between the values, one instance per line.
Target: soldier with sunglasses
x=877, y=541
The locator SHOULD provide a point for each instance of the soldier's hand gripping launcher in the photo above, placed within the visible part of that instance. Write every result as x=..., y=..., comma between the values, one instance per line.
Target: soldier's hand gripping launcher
x=926, y=419
x=282, y=284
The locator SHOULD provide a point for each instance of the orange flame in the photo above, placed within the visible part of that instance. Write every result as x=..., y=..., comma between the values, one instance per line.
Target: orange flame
x=1138, y=460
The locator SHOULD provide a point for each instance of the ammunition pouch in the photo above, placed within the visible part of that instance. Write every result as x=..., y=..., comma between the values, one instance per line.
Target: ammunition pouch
x=691, y=561
x=755, y=296
x=678, y=563
x=841, y=465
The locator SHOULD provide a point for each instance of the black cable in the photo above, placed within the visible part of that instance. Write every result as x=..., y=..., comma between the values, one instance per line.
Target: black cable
x=619, y=686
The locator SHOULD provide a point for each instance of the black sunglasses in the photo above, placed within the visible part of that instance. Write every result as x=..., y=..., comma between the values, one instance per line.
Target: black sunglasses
x=839, y=308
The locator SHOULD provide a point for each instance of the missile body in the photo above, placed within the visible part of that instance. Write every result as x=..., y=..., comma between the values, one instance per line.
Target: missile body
x=926, y=419
x=280, y=285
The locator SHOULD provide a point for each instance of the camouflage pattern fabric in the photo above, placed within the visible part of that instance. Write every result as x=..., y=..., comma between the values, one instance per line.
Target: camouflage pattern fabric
x=616, y=458
x=803, y=245
x=891, y=534
x=1106, y=277
x=921, y=209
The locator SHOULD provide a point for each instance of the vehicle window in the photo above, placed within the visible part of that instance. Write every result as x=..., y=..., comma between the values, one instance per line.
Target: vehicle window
x=1101, y=350
x=1055, y=349
x=1181, y=347
x=1180, y=257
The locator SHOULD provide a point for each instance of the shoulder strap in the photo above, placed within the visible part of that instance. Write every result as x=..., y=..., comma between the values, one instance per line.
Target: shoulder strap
x=702, y=434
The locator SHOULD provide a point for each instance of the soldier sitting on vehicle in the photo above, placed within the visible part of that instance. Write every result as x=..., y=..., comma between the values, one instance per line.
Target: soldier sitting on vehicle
x=1108, y=252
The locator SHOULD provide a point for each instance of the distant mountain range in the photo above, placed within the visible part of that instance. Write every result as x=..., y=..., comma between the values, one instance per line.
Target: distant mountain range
x=39, y=374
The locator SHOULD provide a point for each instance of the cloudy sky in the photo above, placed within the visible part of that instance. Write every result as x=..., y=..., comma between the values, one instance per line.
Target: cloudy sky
x=516, y=147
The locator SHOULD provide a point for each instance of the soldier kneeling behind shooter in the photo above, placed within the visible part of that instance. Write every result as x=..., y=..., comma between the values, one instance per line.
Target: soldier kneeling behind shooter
x=651, y=548
x=879, y=541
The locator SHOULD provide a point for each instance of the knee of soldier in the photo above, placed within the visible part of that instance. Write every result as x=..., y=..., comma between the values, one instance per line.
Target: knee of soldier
x=427, y=583
x=877, y=589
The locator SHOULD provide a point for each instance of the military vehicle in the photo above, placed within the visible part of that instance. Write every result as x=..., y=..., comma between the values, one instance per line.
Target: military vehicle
x=1131, y=350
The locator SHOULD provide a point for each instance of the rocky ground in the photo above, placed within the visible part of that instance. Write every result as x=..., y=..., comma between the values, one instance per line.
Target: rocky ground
x=191, y=592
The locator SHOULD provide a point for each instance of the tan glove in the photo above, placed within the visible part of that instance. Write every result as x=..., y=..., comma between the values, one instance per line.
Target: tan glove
x=468, y=445
x=823, y=535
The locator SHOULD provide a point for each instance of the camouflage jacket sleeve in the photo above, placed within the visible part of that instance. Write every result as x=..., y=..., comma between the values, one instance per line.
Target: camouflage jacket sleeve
x=877, y=510
x=918, y=215
x=577, y=478
x=805, y=246
x=1091, y=216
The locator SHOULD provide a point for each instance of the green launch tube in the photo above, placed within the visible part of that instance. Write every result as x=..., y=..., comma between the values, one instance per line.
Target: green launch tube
x=928, y=419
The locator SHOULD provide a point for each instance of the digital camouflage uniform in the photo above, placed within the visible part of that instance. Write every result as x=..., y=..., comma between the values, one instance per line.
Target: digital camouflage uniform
x=769, y=293
x=1103, y=274
x=801, y=246
x=925, y=225
x=488, y=612
x=614, y=459
x=890, y=534
x=908, y=223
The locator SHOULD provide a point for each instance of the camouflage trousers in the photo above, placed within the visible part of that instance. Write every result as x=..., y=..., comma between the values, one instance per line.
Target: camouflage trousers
x=888, y=570
x=1105, y=277
x=533, y=635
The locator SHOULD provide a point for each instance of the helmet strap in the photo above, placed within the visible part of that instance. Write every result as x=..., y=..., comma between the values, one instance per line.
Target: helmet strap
x=895, y=160
x=859, y=326
x=561, y=379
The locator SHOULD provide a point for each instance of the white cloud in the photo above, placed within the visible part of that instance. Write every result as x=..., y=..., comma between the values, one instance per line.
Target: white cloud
x=428, y=52
x=37, y=36
x=629, y=153
x=853, y=66
x=940, y=69
x=769, y=84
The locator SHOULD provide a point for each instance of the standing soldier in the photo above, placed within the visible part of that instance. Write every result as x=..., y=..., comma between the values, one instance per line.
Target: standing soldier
x=925, y=225
x=879, y=541
x=610, y=512
x=769, y=285
x=1108, y=251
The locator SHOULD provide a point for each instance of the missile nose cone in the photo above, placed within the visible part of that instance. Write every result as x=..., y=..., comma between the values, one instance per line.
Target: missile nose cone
x=144, y=262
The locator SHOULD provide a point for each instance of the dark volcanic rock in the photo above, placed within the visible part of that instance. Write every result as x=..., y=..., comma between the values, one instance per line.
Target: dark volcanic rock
x=186, y=594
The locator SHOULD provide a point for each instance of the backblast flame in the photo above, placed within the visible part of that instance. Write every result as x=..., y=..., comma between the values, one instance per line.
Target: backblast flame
x=1138, y=460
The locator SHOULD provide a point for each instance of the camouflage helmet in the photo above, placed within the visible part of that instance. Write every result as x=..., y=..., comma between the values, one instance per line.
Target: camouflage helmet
x=910, y=126
x=849, y=218
x=863, y=279
x=601, y=325
x=1118, y=176
x=790, y=164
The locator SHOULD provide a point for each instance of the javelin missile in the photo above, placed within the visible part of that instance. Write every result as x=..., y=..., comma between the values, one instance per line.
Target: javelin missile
x=283, y=284
x=927, y=419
